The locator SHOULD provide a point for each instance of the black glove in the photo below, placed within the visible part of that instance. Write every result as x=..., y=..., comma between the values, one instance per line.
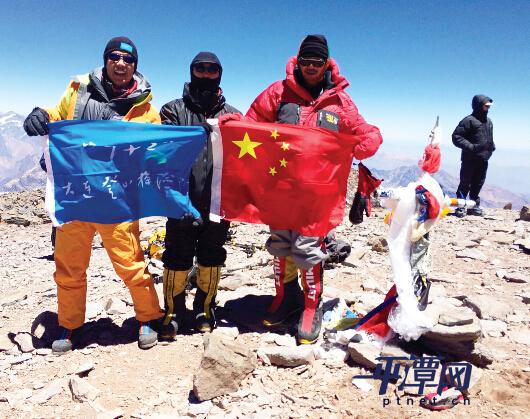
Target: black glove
x=37, y=122
x=207, y=127
x=42, y=163
x=188, y=220
x=359, y=205
x=479, y=147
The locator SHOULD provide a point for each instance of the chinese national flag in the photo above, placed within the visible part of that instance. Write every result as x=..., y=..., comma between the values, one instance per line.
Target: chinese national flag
x=285, y=176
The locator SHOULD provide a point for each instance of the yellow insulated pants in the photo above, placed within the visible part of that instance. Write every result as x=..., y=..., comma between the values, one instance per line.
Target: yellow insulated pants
x=72, y=255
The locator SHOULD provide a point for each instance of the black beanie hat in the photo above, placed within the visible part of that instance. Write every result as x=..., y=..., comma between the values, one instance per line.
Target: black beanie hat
x=206, y=57
x=120, y=43
x=314, y=46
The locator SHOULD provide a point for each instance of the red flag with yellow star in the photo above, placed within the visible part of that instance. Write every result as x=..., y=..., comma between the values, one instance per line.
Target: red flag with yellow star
x=285, y=176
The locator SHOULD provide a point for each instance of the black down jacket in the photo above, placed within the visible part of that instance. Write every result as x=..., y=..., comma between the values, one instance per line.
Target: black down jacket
x=188, y=111
x=474, y=133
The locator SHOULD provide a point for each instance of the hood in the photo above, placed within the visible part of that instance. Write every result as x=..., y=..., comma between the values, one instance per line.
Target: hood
x=339, y=81
x=142, y=92
x=477, y=103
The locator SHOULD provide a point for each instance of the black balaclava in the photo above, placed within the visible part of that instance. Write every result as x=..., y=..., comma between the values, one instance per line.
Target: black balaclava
x=204, y=89
x=478, y=103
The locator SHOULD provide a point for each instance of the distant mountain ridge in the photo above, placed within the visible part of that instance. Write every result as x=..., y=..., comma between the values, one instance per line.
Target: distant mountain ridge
x=19, y=156
x=490, y=196
x=20, y=170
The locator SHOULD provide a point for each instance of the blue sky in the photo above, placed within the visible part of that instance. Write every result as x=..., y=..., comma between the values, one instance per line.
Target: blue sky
x=407, y=61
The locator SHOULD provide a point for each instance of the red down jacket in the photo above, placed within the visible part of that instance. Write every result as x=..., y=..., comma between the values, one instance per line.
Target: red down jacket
x=286, y=101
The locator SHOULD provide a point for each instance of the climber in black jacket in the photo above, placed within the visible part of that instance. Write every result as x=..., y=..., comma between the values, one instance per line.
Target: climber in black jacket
x=185, y=238
x=474, y=135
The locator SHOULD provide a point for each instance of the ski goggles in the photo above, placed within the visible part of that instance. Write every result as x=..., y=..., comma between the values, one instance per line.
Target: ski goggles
x=210, y=69
x=127, y=59
x=315, y=62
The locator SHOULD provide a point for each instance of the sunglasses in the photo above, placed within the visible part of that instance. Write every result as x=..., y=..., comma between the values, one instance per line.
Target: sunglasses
x=127, y=59
x=315, y=62
x=212, y=69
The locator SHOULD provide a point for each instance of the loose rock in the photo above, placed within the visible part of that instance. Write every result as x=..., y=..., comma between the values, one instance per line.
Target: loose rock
x=82, y=390
x=18, y=359
x=362, y=384
x=500, y=238
x=517, y=277
x=285, y=340
x=379, y=244
x=397, y=352
x=15, y=219
x=84, y=369
x=524, y=214
x=196, y=409
x=13, y=298
x=115, y=306
x=494, y=328
x=488, y=307
x=224, y=365
x=456, y=316
x=231, y=283
x=448, y=334
x=51, y=390
x=25, y=342
x=364, y=354
x=287, y=356
x=472, y=254
x=226, y=332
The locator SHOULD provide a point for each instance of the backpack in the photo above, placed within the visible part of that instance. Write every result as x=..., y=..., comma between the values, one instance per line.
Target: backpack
x=337, y=250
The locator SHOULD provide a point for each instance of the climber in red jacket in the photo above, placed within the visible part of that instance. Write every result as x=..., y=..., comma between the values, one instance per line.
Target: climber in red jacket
x=312, y=94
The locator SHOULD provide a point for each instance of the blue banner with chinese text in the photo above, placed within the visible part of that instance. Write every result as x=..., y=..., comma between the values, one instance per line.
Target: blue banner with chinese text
x=114, y=171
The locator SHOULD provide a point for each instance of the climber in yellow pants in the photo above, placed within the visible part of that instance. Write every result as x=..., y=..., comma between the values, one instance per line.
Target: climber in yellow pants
x=114, y=91
x=72, y=256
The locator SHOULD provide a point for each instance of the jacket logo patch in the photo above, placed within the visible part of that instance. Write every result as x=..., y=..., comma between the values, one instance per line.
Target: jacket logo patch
x=332, y=119
x=328, y=120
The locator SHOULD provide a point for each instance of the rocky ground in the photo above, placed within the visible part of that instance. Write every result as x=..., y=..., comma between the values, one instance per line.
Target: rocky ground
x=479, y=299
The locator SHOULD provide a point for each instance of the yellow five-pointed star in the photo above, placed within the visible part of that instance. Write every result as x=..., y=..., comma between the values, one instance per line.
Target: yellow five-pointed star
x=285, y=146
x=275, y=134
x=246, y=146
x=283, y=163
x=272, y=171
